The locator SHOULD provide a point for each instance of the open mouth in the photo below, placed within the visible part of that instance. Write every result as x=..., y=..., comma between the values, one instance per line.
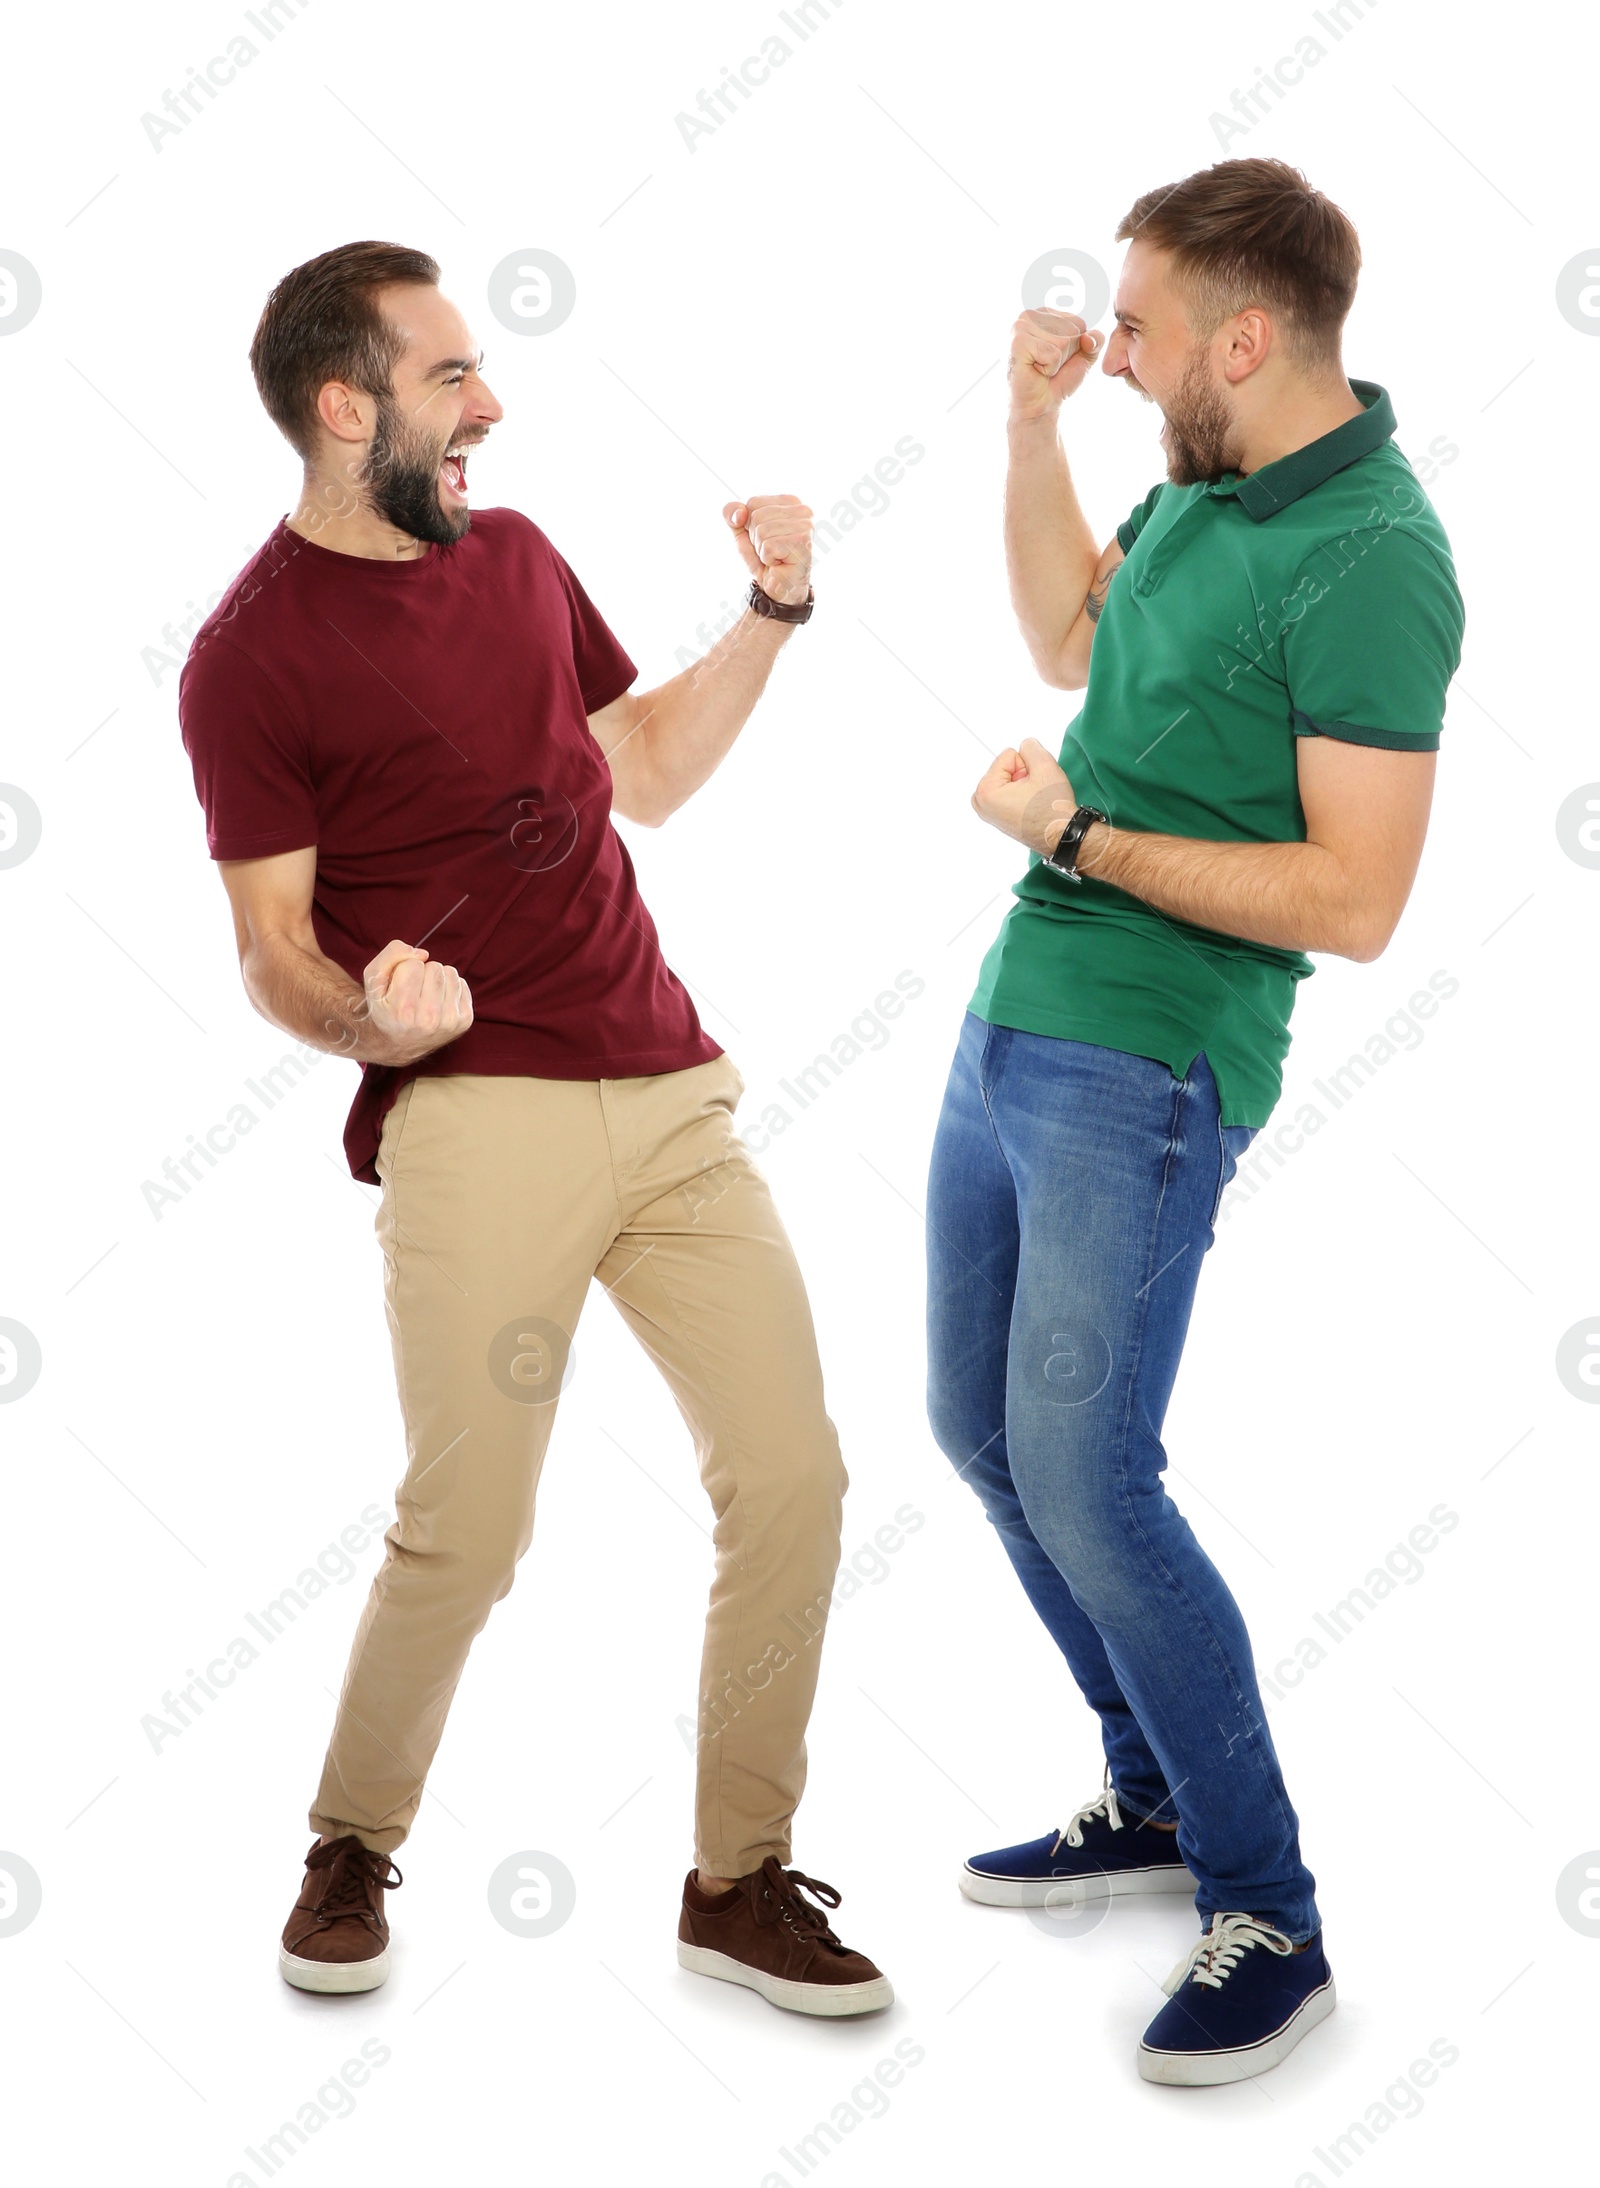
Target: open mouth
x=453, y=473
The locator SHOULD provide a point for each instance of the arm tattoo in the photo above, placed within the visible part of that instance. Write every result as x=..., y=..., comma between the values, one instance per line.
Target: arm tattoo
x=1097, y=595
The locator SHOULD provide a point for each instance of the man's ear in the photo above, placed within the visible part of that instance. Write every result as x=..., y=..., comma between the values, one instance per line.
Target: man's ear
x=1251, y=345
x=348, y=413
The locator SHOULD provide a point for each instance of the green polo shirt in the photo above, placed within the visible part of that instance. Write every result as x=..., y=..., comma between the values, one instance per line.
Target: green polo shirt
x=1315, y=597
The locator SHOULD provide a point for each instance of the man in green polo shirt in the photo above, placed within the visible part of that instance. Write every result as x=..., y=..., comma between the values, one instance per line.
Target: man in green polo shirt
x=1267, y=642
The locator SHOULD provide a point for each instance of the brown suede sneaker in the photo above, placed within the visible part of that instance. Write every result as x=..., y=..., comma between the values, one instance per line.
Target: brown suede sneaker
x=337, y=1937
x=762, y=1933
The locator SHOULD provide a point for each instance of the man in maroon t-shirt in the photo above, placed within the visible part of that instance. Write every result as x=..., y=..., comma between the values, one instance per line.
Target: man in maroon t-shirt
x=408, y=729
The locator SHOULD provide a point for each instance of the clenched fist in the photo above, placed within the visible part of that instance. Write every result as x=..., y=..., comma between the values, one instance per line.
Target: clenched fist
x=774, y=536
x=1051, y=351
x=412, y=1006
x=1025, y=793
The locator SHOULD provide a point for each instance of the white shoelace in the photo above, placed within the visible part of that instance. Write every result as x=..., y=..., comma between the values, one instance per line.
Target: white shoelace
x=1104, y=1803
x=1213, y=1957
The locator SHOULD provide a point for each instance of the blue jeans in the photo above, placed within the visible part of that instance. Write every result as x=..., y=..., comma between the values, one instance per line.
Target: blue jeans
x=1072, y=1195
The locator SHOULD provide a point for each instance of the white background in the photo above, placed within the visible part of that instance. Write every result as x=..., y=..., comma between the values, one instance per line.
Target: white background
x=834, y=268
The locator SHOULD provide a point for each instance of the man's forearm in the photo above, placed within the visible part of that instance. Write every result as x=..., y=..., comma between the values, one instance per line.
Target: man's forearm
x=686, y=727
x=311, y=997
x=1292, y=896
x=1051, y=553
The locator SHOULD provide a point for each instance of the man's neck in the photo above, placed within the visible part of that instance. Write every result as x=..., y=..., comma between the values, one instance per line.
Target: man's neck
x=326, y=515
x=1304, y=416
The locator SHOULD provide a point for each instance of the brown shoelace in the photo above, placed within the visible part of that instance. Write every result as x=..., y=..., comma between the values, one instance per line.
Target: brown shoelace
x=357, y=1871
x=779, y=1899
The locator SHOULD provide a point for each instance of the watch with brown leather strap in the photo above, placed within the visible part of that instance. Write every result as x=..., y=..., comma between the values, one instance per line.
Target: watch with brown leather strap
x=780, y=611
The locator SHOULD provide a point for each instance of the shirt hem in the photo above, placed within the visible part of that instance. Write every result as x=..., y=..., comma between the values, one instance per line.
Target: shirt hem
x=1178, y=1057
x=287, y=839
x=596, y=706
x=1358, y=733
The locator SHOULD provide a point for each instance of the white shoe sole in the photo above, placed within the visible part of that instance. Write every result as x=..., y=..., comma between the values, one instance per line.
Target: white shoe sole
x=1203, y=2070
x=1085, y=1891
x=823, y=1998
x=333, y=1977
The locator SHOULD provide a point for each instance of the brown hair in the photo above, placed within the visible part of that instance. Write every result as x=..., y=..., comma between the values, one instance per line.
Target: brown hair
x=1255, y=232
x=322, y=322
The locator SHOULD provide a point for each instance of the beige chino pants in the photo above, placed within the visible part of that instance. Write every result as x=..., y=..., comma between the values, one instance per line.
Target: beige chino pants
x=502, y=1199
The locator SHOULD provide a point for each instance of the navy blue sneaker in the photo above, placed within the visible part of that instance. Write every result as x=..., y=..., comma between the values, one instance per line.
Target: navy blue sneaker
x=1239, y=2002
x=1100, y=1855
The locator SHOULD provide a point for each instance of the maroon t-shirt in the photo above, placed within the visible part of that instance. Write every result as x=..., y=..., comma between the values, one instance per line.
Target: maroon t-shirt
x=422, y=723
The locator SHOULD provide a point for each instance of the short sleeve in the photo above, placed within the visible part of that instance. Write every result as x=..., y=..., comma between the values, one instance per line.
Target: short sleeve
x=248, y=751
x=604, y=670
x=1134, y=523
x=1370, y=653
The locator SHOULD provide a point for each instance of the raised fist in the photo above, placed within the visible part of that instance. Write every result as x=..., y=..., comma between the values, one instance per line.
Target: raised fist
x=1051, y=351
x=774, y=536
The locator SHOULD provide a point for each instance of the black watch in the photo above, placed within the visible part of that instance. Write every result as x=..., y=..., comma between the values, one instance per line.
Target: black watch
x=1064, y=858
x=780, y=611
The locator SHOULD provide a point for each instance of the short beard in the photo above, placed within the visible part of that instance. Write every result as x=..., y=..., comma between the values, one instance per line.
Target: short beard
x=1199, y=427
x=401, y=477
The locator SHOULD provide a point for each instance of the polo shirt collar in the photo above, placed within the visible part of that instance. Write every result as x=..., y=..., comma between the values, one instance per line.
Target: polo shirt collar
x=1261, y=493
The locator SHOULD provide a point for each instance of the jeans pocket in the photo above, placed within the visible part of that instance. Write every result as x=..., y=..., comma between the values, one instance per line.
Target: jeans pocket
x=1233, y=1141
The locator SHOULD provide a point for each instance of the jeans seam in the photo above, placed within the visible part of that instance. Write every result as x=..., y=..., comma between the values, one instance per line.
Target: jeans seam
x=983, y=1097
x=1222, y=1163
x=1223, y=1180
